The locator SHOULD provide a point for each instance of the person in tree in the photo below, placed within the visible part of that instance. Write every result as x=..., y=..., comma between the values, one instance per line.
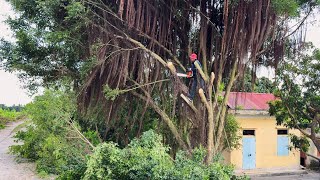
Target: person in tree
x=192, y=73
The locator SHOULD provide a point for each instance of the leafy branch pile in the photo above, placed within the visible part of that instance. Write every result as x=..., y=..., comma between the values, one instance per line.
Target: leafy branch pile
x=50, y=139
x=56, y=147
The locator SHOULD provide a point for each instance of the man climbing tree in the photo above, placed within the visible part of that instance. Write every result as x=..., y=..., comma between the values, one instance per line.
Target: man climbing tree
x=126, y=46
x=193, y=70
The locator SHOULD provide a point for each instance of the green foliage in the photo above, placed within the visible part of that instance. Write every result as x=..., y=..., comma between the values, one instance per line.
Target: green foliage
x=301, y=143
x=53, y=145
x=142, y=159
x=17, y=108
x=49, y=40
x=132, y=122
x=232, y=130
x=92, y=136
x=299, y=92
x=7, y=115
x=194, y=168
x=292, y=7
x=285, y=7
x=76, y=10
x=49, y=140
x=111, y=94
x=221, y=89
x=87, y=66
x=260, y=85
x=264, y=85
x=147, y=158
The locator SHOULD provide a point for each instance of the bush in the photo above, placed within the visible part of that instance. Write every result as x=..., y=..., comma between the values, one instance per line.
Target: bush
x=232, y=133
x=147, y=158
x=144, y=158
x=50, y=140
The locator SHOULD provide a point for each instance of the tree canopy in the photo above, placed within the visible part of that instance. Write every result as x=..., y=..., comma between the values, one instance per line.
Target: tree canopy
x=119, y=53
x=299, y=103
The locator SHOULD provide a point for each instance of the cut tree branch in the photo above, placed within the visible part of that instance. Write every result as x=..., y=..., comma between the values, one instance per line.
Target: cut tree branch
x=166, y=119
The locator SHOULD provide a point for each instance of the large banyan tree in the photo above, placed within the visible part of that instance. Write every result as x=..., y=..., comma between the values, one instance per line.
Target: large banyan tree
x=142, y=44
x=132, y=50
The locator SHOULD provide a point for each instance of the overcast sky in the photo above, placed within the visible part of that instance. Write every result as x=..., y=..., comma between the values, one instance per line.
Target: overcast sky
x=11, y=91
x=10, y=87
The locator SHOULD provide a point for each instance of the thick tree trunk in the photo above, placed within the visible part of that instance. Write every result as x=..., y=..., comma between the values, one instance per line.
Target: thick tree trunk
x=314, y=137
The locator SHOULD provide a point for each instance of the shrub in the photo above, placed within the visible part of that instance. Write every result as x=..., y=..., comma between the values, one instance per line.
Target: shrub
x=52, y=142
x=144, y=158
x=49, y=139
x=148, y=158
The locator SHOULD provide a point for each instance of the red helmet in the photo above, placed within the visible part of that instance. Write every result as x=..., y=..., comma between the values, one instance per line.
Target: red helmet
x=193, y=56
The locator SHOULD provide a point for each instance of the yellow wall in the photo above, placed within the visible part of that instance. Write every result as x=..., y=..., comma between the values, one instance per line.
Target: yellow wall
x=266, y=143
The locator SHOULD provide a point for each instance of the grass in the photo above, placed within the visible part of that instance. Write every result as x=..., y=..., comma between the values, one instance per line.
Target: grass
x=7, y=116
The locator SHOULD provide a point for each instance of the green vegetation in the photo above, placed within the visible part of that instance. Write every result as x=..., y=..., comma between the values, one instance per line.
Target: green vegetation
x=51, y=139
x=291, y=7
x=106, y=67
x=148, y=158
x=232, y=132
x=250, y=84
x=17, y=108
x=53, y=142
x=8, y=116
x=299, y=103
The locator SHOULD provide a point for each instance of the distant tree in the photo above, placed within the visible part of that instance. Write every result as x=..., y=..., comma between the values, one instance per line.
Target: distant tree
x=49, y=42
x=2, y=106
x=249, y=83
x=264, y=85
x=17, y=108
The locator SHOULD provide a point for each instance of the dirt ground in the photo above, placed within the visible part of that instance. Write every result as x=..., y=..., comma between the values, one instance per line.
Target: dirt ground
x=9, y=168
x=308, y=176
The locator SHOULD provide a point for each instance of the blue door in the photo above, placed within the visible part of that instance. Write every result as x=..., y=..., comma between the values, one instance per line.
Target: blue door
x=248, y=152
x=283, y=146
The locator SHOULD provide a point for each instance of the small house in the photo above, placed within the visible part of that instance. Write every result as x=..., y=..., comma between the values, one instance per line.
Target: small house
x=264, y=144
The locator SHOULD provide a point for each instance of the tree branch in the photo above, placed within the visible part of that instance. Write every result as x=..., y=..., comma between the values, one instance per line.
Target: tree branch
x=166, y=119
x=312, y=156
x=176, y=60
x=204, y=77
x=302, y=22
x=295, y=122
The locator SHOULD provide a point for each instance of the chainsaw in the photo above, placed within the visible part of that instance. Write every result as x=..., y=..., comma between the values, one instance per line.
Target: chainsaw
x=188, y=75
